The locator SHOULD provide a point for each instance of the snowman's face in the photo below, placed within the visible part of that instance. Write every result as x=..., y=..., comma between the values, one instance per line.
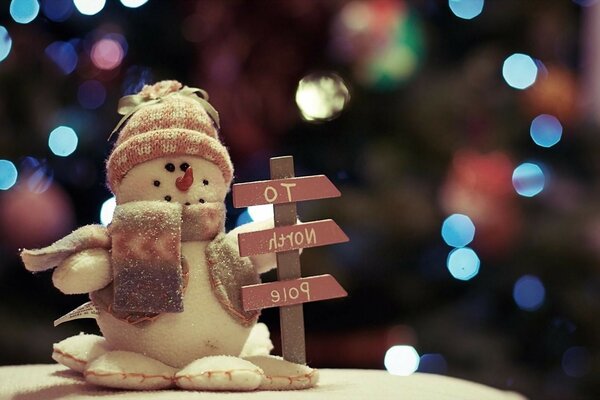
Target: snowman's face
x=158, y=180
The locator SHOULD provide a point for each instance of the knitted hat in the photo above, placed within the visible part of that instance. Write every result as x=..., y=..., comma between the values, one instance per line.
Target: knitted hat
x=166, y=119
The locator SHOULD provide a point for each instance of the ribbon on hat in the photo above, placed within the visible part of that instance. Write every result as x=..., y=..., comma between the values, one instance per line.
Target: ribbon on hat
x=129, y=105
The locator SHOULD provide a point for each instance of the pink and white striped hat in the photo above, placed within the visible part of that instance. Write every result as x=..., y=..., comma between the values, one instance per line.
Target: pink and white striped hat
x=166, y=119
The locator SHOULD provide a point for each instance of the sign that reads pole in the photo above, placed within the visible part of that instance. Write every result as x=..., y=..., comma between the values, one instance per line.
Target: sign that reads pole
x=295, y=291
x=290, y=291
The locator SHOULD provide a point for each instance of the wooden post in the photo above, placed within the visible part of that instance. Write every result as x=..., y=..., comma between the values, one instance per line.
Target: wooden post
x=288, y=267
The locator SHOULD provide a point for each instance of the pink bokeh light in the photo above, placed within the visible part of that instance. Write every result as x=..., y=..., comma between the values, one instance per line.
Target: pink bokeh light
x=107, y=54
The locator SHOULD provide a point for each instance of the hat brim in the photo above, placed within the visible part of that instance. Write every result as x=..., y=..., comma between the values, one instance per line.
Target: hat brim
x=163, y=143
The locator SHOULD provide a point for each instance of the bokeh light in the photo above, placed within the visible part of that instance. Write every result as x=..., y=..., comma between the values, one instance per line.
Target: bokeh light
x=546, y=130
x=466, y=9
x=63, y=141
x=382, y=40
x=63, y=54
x=243, y=218
x=5, y=43
x=529, y=293
x=463, y=263
x=32, y=220
x=133, y=3
x=107, y=210
x=36, y=174
x=585, y=3
x=24, y=11
x=458, y=230
x=321, y=97
x=528, y=179
x=519, y=71
x=261, y=213
x=58, y=10
x=89, y=7
x=433, y=364
x=91, y=94
x=8, y=174
x=576, y=361
x=401, y=360
x=107, y=53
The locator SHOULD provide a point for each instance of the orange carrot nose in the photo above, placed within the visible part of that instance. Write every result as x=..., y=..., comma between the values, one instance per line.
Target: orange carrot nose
x=184, y=182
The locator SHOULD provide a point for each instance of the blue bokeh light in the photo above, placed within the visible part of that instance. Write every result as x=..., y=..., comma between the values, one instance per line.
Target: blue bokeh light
x=36, y=174
x=466, y=9
x=528, y=179
x=546, y=130
x=458, y=230
x=519, y=71
x=8, y=174
x=463, y=263
x=24, y=11
x=91, y=94
x=576, y=361
x=58, y=10
x=5, y=43
x=585, y=3
x=243, y=218
x=63, y=141
x=529, y=293
x=433, y=363
x=64, y=56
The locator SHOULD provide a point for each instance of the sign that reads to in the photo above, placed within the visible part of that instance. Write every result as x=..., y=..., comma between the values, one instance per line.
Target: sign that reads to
x=278, y=191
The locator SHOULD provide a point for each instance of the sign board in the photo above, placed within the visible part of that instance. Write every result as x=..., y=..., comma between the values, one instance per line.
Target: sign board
x=280, y=191
x=290, y=291
x=293, y=237
x=295, y=291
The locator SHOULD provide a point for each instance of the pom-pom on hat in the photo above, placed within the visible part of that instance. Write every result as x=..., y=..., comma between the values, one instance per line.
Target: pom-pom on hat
x=166, y=119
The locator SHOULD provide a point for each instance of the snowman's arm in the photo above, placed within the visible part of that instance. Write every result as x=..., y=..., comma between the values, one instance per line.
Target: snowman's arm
x=262, y=262
x=83, y=272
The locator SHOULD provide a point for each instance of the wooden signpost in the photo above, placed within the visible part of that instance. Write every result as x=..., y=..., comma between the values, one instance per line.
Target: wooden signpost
x=290, y=291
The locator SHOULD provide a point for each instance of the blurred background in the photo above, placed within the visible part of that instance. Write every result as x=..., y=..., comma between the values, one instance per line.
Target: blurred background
x=462, y=134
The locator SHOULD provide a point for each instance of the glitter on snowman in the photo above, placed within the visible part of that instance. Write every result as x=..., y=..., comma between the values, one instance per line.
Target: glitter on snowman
x=164, y=278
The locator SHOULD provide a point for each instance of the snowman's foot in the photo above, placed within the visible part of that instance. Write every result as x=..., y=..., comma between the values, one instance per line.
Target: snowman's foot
x=280, y=374
x=128, y=370
x=223, y=373
x=75, y=352
x=258, y=342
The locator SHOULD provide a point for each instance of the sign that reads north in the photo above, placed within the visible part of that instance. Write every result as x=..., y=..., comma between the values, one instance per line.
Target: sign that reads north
x=292, y=237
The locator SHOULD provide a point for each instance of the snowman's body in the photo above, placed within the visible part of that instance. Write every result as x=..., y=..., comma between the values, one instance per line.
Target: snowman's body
x=176, y=339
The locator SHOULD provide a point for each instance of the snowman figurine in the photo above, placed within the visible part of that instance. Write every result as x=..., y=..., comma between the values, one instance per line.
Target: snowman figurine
x=164, y=278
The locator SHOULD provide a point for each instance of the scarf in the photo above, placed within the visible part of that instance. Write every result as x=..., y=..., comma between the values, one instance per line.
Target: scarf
x=146, y=251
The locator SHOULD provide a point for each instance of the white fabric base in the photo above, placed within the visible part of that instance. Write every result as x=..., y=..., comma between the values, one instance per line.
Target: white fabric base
x=49, y=382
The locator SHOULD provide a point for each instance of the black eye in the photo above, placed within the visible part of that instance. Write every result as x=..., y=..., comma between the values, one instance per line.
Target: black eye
x=170, y=167
x=187, y=203
x=202, y=201
x=205, y=182
x=157, y=183
x=168, y=198
x=184, y=166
